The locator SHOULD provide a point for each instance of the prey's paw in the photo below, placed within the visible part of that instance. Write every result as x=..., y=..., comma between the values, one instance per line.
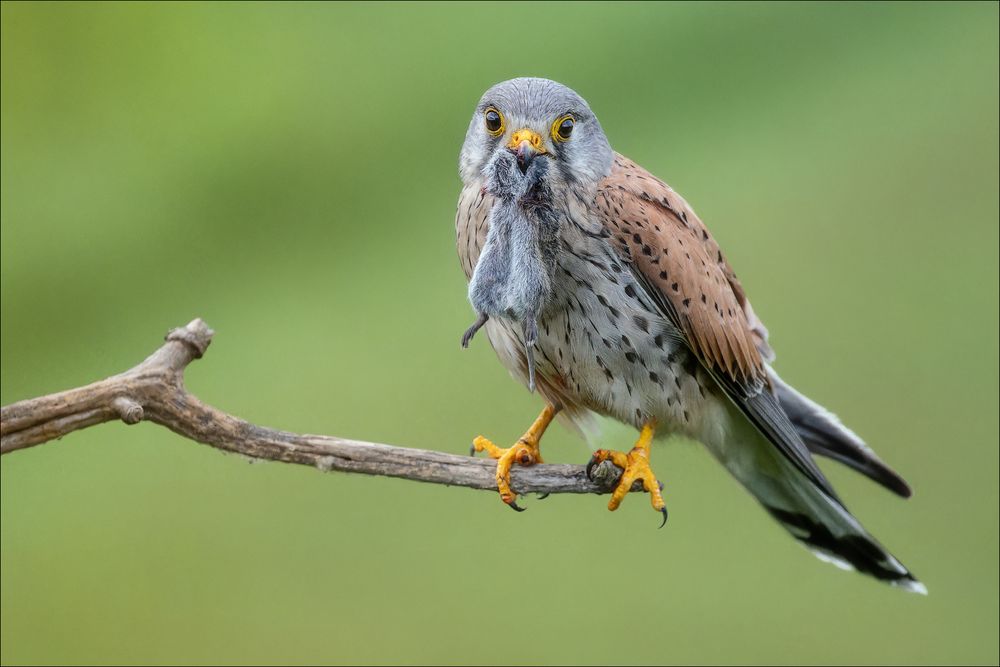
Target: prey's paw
x=525, y=453
x=635, y=466
x=502, y=178
x=476, y=326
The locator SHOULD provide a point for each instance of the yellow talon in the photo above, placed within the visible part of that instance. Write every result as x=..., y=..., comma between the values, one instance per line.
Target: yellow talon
x=635, y=466
x=525, y=452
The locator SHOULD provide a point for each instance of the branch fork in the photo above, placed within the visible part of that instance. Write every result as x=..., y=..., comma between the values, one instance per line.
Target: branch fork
x=154, y=391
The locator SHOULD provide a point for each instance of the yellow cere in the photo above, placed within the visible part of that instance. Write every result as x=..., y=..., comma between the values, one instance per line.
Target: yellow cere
x=525, y=134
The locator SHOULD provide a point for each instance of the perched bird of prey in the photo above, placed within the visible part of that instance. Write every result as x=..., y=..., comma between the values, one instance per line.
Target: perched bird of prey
x=596, y=283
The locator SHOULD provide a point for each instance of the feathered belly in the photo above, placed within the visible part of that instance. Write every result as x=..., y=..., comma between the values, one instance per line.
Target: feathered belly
x=602, y=347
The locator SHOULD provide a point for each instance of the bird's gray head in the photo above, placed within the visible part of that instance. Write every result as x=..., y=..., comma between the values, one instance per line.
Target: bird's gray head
x=537, y=119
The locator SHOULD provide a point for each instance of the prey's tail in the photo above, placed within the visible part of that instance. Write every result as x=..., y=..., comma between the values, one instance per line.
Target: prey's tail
x=814, y=518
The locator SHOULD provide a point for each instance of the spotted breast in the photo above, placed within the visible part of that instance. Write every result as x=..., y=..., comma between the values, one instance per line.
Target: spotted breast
x=603, y=346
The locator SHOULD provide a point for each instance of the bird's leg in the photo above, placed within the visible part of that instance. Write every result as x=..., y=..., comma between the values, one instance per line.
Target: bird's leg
x=634, y=465
x=476, y=326
x=525, y=452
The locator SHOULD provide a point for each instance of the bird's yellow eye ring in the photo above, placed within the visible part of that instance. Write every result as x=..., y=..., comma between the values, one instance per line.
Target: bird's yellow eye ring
x=494, y=121
x=563, y=127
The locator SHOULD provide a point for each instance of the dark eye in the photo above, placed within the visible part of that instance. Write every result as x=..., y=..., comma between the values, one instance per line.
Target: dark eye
x=494, y=121
x=562, y=128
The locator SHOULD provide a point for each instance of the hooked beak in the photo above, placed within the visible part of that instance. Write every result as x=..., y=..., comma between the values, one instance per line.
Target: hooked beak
x=526, y=144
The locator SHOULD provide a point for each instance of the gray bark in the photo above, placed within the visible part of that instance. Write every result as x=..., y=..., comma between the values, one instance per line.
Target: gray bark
x=154, y=392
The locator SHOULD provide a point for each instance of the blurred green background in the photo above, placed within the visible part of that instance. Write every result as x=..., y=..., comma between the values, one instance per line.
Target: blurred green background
x=288, y=173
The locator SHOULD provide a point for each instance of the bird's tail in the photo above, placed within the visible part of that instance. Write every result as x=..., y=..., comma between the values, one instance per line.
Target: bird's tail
x=821, y=523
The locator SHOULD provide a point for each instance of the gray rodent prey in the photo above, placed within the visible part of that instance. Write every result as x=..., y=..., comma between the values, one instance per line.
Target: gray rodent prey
x=513, y=277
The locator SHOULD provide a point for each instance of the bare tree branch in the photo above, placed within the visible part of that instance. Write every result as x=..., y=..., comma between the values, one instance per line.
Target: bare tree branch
x=154, y=391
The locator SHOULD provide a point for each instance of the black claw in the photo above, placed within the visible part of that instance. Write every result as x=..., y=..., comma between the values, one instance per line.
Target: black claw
x=513, y=505
x=590, y=468
x=472, y=449
x=543, y=496
x=664, y=513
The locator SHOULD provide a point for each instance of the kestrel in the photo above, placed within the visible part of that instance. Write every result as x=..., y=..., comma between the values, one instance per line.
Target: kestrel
x=597, y=284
